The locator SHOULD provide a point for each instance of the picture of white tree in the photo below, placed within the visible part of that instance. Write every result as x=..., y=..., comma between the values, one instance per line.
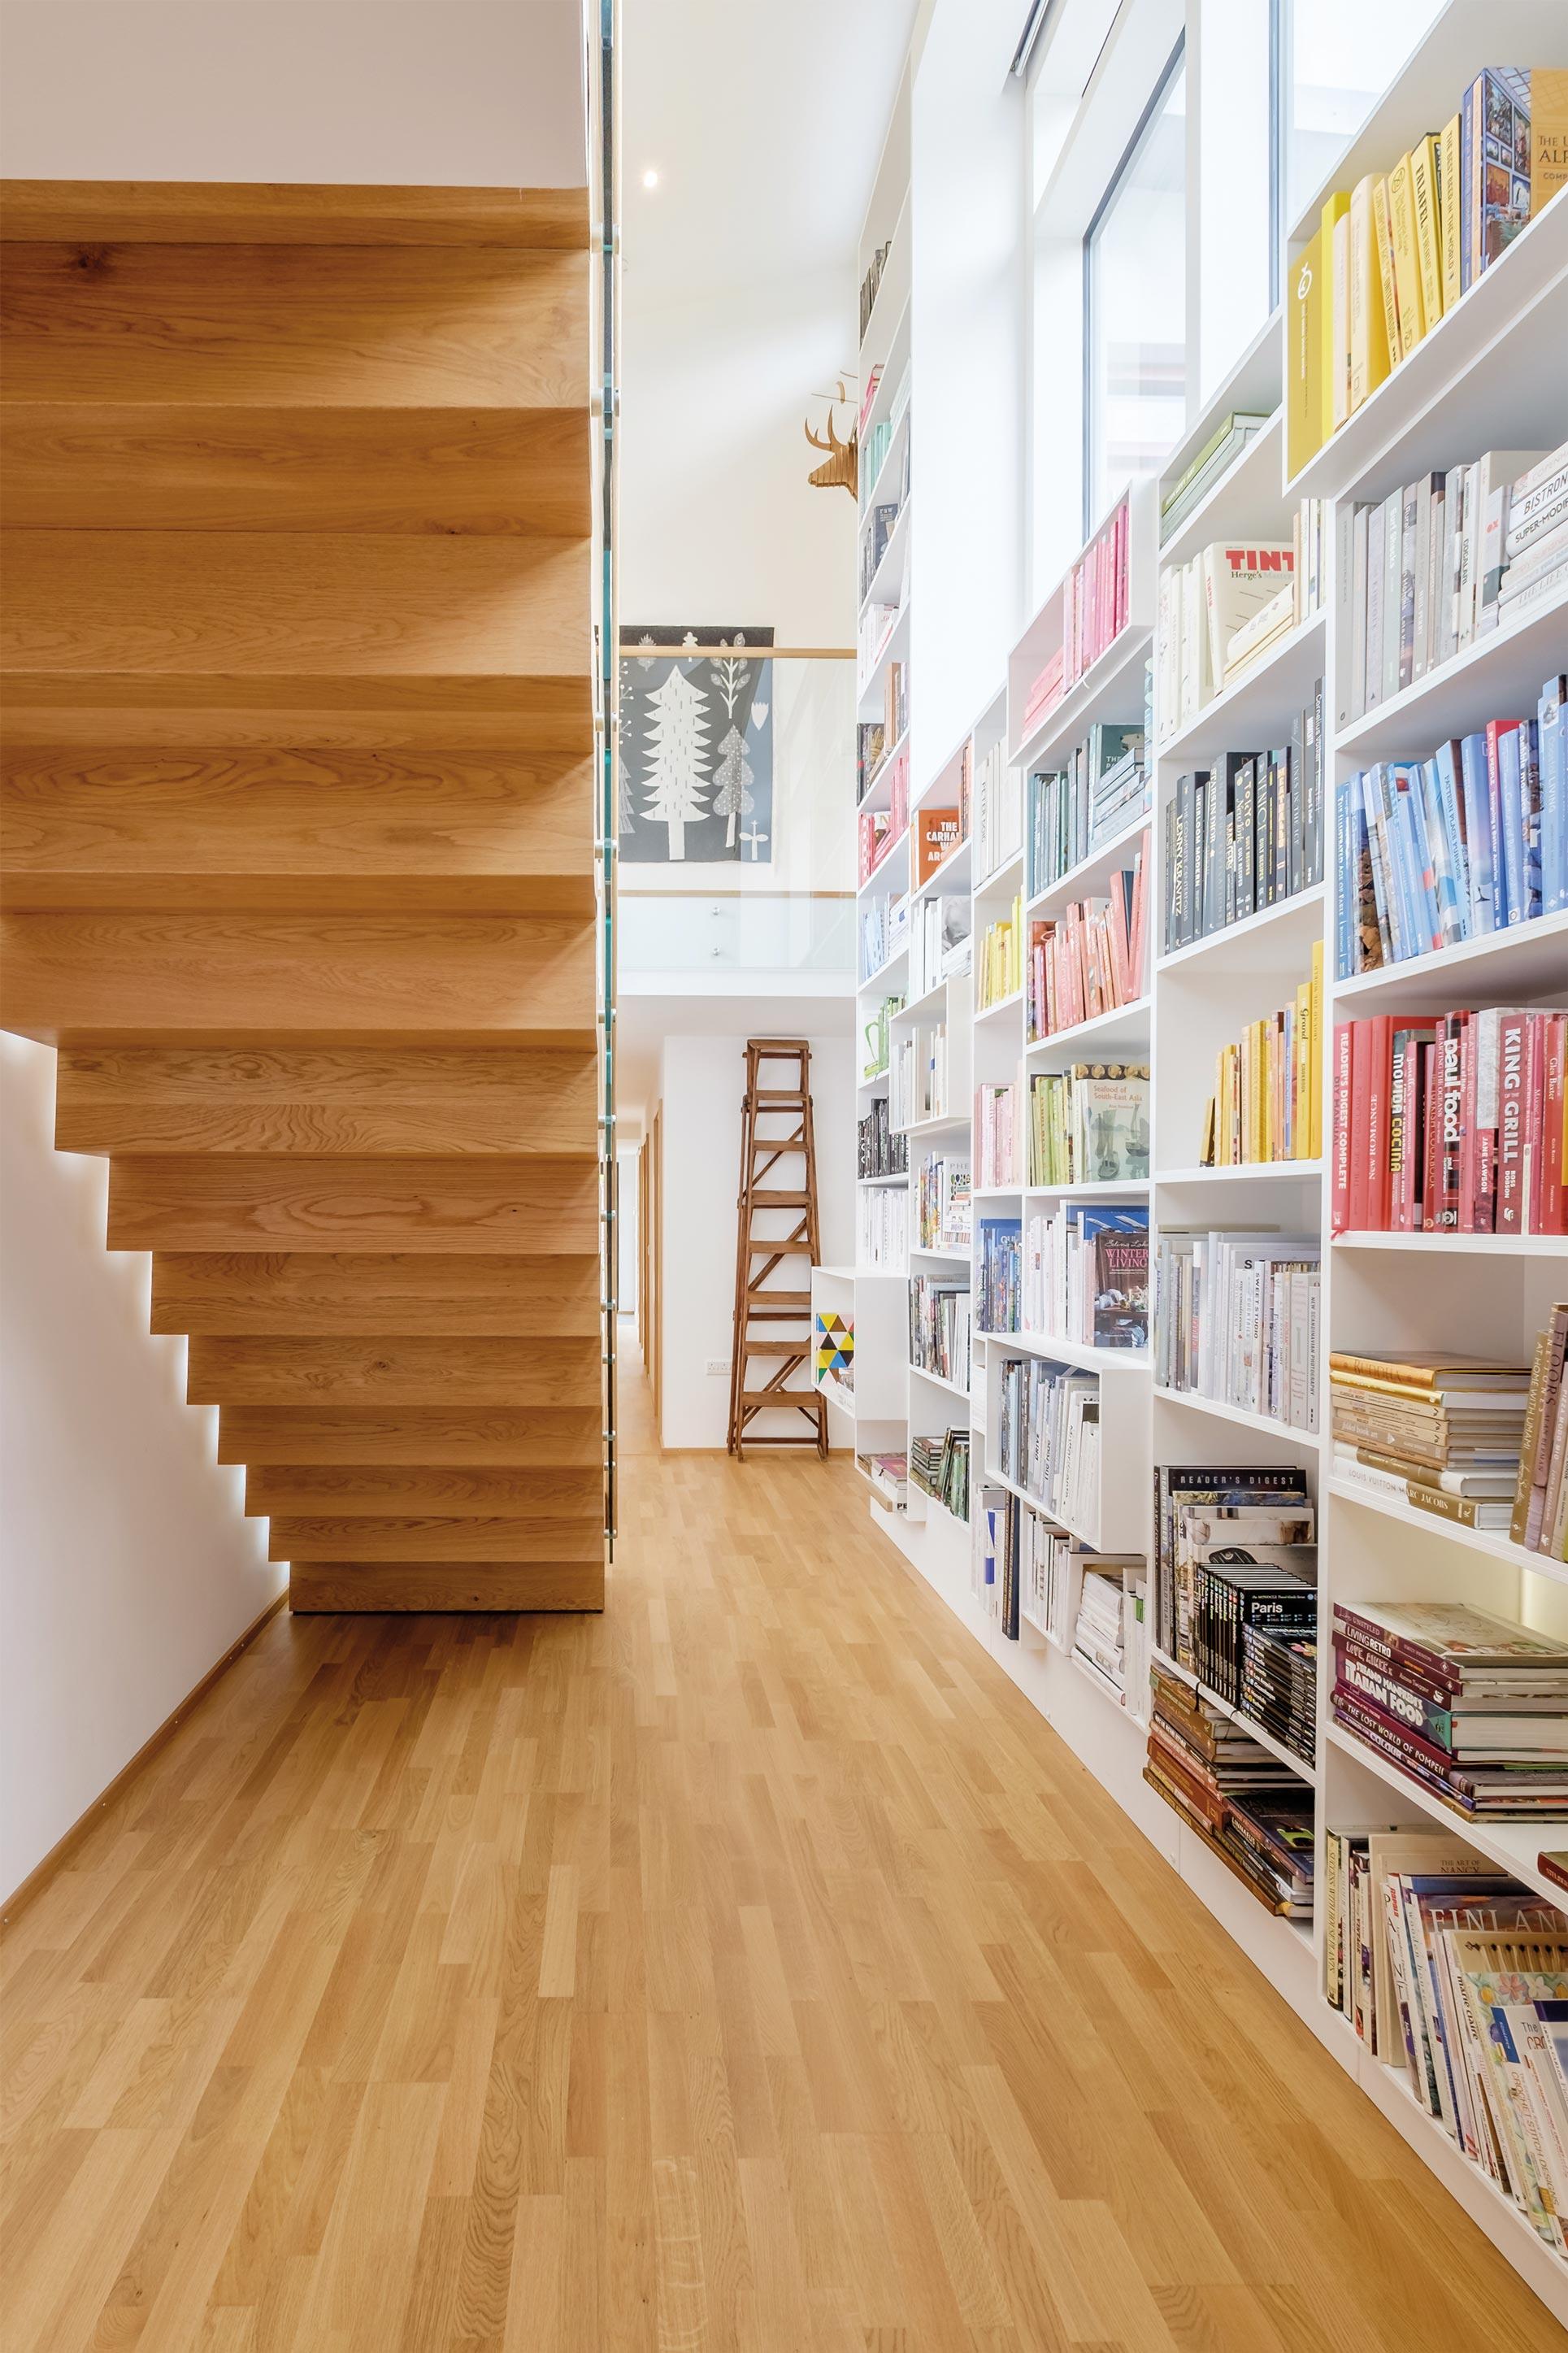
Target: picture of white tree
x=695, y=746
x=677, y=776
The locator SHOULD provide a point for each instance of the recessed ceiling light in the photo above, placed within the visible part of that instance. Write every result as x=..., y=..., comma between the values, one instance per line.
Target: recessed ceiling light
x=650, y=179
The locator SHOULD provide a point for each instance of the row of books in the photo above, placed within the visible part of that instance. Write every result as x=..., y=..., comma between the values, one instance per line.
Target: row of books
x=1047, y=1437
x=1245, y=835
x=1108, y=1627
x=880, y=522
x=878, y=1150
x=1237, y=1318
x=940, y=1328
x=1194, y=1503
x=999, y=958
x=1476, y=1442
x=884, y=929
x=1095, y=606
x=1218, y=454
x=939, y=1467
x=1253, y=1606
x=943, y=1207
x=997, y=823
x=997, y=1140
x=1471, y=1707
x=874, y=763
x=1086, y=1276
x=1237, y=1798
x=1225, y=609
x=875, y=445
x=1475, y=840
x=877, y=1035
x=1091, y=958
x=878, y=621
x=918, y=1068
x=1391, y=257
x=882, y=1227
x=1455, y=1975
x=871, y=286
x=1458, y=1123
x=888, y=1475
x=1003, y=1569
x=938, y=939
x=1268, y=1100
x=998, y=1273
x=1090, y=1124
x=1103, y=786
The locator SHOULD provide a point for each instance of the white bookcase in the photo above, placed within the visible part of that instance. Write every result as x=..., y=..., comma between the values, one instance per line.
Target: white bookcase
x=1490, y=375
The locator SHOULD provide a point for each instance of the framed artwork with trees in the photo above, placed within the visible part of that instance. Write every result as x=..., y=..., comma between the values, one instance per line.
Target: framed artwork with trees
x=695, y=747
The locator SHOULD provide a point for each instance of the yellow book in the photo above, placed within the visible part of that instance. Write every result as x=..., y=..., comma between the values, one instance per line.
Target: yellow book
x=1336, y=312
x=1407, y=255
x=1448, y=209
x=1304, y=428
x=1548, y=134
x=1369, y=335
x=1424, y=176
x=1388, y=278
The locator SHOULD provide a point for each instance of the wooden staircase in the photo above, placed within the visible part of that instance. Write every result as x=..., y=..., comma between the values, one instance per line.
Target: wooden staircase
x=297, y=828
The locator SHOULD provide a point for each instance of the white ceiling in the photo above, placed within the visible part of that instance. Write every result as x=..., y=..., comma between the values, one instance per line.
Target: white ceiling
x=763, y=119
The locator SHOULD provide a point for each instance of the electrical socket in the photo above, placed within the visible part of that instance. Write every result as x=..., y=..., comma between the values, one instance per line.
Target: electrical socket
x=718, y=1364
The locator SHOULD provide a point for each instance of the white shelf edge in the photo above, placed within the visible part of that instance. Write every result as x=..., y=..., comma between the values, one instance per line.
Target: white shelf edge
x=1264, y=1423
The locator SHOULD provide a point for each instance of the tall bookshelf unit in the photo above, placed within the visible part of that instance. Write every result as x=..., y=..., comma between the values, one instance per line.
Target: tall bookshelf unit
x=1467, y=386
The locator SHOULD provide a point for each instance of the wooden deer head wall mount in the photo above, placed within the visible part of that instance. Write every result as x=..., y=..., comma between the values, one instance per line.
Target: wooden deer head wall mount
x=840, y=468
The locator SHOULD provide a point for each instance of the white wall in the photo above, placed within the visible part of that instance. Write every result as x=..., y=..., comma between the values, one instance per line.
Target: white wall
x=484, y=93
x=127, y=1567
x=703, y=1080
x=969, y=512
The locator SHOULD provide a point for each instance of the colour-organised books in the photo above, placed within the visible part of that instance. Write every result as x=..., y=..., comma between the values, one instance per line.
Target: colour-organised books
x=1238, y=1319
x=884, y=929
x=1090, y=1124
x=1245, y=835
x=879, y=1151
x=878, y=621
x=1095, y=795
x=1094, y=614
x=877, y=1030
x=882, y=1227
x=1246, y=1806
x=1086, y=1276
x=1268, y=1100
x=1393, y=257
x=918, y=1077
x=1275, y=1496
x=999, y=958
x=999, y=1274
x=1441, y=1431
x=938, y=939
x=1472, y=1707
x=1248, y=1572
x=1219, y=453
x=1228, y=606
x=1538, y=1517
x=1457, y=1124
x=943, y=1202
x=1474, y=839
x=881, y=522
x=997, y=822
x=1047, y=1437
x=1091, y=958
x=998, y=1136
x=939, y=1467
x=940, y=1328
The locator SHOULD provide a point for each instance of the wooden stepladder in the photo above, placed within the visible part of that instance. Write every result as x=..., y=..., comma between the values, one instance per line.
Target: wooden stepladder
x=776, y=1139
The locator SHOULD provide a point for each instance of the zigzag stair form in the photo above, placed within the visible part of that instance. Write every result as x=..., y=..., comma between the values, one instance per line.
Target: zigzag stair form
x=296, y=820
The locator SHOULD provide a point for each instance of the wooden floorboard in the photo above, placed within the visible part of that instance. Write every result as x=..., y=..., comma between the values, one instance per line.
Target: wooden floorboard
x=747, y=1967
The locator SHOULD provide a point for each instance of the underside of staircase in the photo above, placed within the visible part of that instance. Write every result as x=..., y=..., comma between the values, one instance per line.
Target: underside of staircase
x=297, y=839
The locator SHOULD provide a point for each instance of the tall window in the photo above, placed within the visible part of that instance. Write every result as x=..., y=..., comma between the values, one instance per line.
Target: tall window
x=1135, y=304
x=1340, y=56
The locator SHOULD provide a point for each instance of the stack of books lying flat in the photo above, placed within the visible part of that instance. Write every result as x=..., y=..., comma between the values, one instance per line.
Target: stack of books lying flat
x=1439, y=1431
x=1244, y=1804
x=1474, y=1708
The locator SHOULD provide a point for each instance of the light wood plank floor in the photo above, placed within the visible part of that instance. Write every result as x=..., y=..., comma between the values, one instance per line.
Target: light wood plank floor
x=749, y=1968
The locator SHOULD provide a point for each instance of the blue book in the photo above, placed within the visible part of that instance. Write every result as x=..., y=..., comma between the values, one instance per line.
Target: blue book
x=1346, y=855
x=1446, y=768
x=1419, y=903
x=1510, y=794
x=1553, y=746
x=1494, y=825
x=1445, y=903
x=1477, y=834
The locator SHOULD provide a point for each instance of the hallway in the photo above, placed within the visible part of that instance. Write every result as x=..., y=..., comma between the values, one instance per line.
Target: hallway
x=751, y=1966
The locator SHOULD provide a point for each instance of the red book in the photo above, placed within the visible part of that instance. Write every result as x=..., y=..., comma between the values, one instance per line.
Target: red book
x=1405, y=1134
x=1379, y=1067
x=1431, y=1134
x=1469, y=1140
x=1451, y=1117
x=1343, y=1093
x=1535, y=1120
x=1552, y=1219
x=1360, y=1127
x=1513, y=1075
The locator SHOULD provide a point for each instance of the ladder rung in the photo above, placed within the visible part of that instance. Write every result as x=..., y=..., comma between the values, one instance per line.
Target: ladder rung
x=760, y=1400
x=778, y=1303
x=799, y=1350
x=780, y=1095
x=764, y=1201
x=763, y=1246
